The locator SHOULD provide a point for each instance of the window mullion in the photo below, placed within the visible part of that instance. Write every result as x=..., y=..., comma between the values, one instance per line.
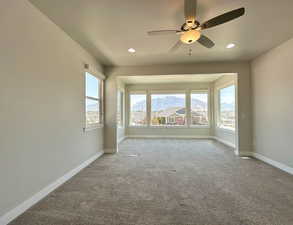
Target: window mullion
x=93, y=98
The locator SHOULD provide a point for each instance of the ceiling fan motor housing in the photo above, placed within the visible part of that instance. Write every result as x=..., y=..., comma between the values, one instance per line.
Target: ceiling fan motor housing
x=195, y=25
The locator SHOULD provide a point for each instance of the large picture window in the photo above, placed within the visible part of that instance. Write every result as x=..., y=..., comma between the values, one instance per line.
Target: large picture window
x=168, y=110
x=93, y=101
x=199, y=109
x=227, y=108
x=138, y=110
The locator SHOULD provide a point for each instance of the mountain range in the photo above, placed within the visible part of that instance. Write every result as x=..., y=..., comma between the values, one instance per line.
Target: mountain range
x=167, y=102
x=172, y=101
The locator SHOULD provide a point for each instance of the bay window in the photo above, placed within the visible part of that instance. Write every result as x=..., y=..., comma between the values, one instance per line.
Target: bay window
x=169, y=109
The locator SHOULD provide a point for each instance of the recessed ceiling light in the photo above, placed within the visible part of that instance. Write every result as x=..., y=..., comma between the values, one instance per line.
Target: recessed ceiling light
x=131, y=50
x=230, y=45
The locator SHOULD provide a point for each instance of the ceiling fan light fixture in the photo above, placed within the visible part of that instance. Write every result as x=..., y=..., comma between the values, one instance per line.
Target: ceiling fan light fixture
x=190, y=36
x=131, y=50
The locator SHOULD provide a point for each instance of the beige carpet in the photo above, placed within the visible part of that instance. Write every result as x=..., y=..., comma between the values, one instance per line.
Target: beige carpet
x=170, y=182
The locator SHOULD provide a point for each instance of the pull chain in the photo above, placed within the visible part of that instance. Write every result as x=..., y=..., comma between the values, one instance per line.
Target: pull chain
x=190, y=52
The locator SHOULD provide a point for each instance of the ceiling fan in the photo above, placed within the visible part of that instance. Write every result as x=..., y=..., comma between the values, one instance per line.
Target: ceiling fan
x=190, y=31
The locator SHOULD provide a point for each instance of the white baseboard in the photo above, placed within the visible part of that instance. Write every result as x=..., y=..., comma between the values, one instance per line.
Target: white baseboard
x=274, y=163
x=110, y=151
x=121, y=139
x=183, y=137
x=12, y=214
x=245, y=153
x=224, y=142
x=169, y=137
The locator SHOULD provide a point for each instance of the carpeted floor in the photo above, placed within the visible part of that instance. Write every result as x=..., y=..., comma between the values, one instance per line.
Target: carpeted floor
x=169, y=182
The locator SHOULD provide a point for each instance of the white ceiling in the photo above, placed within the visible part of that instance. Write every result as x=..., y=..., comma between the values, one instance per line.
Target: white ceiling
x=171, y=79
x=107, y=28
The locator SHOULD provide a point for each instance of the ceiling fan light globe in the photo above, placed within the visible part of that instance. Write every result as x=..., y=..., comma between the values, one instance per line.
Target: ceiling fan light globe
x=190, y=37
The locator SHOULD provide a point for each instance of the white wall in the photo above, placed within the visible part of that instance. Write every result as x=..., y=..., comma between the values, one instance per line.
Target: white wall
x=244, y=92
x=168, y=131
x=272, y=79
x=227, y=136
x=41, y=103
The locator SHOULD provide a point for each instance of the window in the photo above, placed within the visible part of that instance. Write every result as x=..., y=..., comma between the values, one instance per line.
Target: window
x=93, y=101
x=138, y=112
x=199, y=109
x=168, y=110
x=120, y=102
x=227, y=108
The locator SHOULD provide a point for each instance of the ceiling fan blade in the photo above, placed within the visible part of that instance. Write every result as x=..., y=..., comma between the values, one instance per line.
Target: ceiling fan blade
x=226, y=17
x=176, y=46
x=163, y=32
x=190, y=11
x=206, y=42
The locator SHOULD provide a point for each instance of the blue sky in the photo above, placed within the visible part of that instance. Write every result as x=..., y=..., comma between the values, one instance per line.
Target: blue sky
x=199, y=96
x=228, y=95
x=92, y=86
x=167, y=95
x=137, y=98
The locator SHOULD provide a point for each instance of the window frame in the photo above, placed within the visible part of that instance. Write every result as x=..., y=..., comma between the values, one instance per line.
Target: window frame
x=129, y=109
x=99, y=99
x=218, y=108
x=208, y=108
x=166, y=92
x=187, y=92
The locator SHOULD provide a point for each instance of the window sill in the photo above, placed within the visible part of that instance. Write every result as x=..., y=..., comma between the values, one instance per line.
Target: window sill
x=142, y=126
x=94, y=127
x=170, y=126
x=199, y=127
x=226, y=130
